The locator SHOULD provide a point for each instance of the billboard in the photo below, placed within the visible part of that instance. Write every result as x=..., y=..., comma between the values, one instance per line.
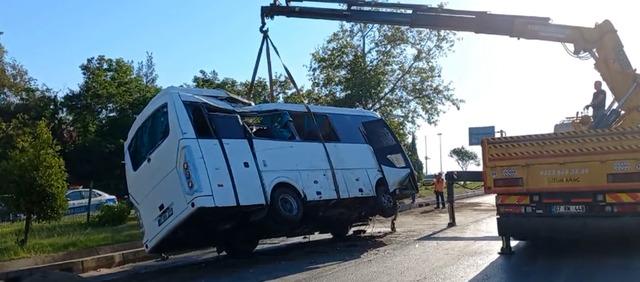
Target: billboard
x=477, y=133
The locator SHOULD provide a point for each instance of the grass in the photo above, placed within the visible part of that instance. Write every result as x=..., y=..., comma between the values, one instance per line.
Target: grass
x=70, y=233
x=458, y=188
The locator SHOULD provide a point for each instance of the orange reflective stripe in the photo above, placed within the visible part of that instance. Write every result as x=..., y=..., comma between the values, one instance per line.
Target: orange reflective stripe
x=523, y=200
x=634, y=196
x=614, y=198
x=581, y=200
x=549, y=200
x=513, y=199
x=623, y=197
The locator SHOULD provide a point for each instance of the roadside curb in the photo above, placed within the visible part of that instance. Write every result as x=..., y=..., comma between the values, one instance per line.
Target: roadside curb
x=16, y=264
x=84, y=264
x=428, y=202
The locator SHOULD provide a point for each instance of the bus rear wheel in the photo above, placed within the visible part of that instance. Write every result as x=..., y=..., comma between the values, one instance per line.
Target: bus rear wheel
x=286, y=206
x=340, y=231
x=241, y=245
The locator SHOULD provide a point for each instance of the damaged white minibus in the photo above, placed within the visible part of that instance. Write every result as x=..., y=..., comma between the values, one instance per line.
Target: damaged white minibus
x=205, y=168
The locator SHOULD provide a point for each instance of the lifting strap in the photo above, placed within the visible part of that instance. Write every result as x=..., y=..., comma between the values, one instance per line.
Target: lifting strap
x=266, y=40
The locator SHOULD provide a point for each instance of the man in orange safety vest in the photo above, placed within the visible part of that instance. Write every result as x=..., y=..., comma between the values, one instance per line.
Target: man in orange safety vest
x=439, y=190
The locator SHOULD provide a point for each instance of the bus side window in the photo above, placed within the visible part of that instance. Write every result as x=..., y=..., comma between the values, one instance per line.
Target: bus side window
x=149, y=136
x=275, y=126
x=198, y=120
x=304, y=125
x=307, y=129
x=327, y=131
x=349, y=127
x=227, y=126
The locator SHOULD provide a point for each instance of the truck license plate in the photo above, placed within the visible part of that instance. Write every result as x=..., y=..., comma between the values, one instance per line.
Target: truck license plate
x=569, y=209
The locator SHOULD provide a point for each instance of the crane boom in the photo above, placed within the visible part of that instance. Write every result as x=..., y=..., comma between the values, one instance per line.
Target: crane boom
x=601, y=42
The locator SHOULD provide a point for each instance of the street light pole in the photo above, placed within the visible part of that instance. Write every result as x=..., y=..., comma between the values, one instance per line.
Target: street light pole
x=440, y=138
x=426, y=157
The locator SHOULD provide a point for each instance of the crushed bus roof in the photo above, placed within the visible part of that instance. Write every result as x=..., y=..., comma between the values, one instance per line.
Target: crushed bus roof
x=223, y=99
x=301, y=108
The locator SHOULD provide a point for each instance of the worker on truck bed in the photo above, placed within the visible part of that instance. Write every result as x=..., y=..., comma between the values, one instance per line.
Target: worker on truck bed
x=598, y=101
x=439, y=190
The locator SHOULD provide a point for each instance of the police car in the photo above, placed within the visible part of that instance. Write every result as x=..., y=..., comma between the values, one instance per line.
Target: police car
x=78, y=200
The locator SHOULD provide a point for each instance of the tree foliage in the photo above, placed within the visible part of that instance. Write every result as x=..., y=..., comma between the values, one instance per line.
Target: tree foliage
x=412, y=153
x=21, y=95
x=388, y=69
x=33, y=173
x=146, y=70
x=102, y=110
x=283, y=89
x=464, y=157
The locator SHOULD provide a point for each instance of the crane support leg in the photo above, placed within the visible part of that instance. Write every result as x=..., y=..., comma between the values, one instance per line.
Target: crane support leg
x=506, y=246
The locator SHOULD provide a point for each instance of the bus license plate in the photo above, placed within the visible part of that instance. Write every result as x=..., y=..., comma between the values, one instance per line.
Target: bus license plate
x=569, y=209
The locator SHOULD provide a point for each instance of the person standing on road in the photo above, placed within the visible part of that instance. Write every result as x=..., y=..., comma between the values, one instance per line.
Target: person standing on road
x=439, y=190
x=598, y=101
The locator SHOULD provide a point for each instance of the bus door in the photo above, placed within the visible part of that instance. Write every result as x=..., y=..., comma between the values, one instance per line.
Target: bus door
x=393, y=161
x=230, y=132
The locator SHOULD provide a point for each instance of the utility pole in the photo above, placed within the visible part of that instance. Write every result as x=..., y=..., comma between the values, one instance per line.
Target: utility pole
x=440, y=138
x=89, y=204
x=426, y=157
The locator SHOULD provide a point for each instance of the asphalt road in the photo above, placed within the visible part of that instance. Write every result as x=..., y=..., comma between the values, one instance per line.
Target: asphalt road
x=422, y=249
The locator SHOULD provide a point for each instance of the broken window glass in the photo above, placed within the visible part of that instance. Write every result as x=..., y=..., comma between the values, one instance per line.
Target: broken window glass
x=275, y=126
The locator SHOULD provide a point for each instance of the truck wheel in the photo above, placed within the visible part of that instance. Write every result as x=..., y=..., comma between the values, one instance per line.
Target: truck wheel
x=387, y=205
x=286, y=206
x=241, y=245
x=339, y=232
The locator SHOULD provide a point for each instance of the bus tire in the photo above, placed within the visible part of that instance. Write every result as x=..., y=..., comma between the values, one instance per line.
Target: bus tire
x=241, y=245
x=286, y=205
x=340, y=232
x=386, y=204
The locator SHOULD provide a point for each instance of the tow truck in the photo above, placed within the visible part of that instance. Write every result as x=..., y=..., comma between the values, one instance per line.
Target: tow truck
x=583, y=179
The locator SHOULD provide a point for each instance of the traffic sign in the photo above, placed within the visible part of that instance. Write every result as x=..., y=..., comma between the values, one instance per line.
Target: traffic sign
x=477, y=133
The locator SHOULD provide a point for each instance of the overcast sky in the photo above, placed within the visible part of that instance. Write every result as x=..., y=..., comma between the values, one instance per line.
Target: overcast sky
x=520, y=86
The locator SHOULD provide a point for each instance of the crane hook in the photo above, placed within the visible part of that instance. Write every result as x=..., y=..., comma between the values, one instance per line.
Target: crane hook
x=263, y=24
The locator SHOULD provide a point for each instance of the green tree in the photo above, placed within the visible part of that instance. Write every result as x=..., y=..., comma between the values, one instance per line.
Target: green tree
x=283, y=89
x=412, y=153
x=464, y=157
x=102, y=110
x=392, y=70
x=147, y=71
x=20, y=95
x=33, y=174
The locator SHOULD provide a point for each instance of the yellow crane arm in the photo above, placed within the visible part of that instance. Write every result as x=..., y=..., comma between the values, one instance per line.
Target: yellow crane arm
x=601, y=42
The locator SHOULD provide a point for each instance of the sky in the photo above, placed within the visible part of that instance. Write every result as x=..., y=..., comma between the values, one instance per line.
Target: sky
x=519, y=86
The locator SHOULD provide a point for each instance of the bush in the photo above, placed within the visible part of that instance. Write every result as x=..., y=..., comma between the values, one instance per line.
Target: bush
x=112, y=215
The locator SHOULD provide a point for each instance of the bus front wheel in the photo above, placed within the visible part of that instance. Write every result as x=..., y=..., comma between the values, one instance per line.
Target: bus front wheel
x=387, y=205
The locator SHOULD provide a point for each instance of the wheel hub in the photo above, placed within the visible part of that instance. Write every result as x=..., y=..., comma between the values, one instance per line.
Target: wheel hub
x=288, y=205
x=387, y=200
